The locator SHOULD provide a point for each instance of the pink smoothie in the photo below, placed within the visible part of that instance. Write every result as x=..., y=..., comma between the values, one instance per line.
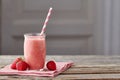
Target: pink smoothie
x=35, y=51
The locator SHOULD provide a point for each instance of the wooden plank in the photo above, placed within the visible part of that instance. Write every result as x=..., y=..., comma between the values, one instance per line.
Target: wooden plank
x=88, y=77
x=66, y=77
x=15, y=77
x=101, y=69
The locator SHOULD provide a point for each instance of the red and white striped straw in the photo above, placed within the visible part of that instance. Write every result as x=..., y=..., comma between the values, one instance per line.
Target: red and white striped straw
x=46, y=21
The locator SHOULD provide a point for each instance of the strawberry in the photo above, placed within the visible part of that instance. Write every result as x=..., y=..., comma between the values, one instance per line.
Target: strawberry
x=51, y=65
x=22, y=65
x=13, y=65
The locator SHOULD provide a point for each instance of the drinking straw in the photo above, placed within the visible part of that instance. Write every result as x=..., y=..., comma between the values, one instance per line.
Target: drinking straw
x=46, y=21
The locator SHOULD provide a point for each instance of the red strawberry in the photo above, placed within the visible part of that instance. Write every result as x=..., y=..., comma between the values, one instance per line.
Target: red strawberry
x=13, y=65
x=51, y=65
x=22, y=65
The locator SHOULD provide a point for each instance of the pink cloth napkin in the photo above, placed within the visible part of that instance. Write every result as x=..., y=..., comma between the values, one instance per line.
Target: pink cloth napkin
x=61, y=66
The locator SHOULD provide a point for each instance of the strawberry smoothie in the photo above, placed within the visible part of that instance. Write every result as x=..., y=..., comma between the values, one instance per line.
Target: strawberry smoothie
x=35, y=50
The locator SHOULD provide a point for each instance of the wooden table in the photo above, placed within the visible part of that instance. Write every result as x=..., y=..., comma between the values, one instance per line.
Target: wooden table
x=89, y=67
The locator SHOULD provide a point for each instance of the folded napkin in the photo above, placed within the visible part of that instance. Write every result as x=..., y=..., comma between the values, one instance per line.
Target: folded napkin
x=61, y=66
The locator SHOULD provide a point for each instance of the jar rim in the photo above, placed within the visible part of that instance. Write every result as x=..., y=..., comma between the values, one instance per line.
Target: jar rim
x=33, y=34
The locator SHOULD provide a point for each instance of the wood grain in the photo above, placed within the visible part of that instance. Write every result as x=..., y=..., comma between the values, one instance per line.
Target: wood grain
x=101, y=69
x=89, y=77
x=85, y=68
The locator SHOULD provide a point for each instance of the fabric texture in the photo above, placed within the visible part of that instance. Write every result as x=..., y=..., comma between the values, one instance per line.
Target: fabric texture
x=61, y=67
